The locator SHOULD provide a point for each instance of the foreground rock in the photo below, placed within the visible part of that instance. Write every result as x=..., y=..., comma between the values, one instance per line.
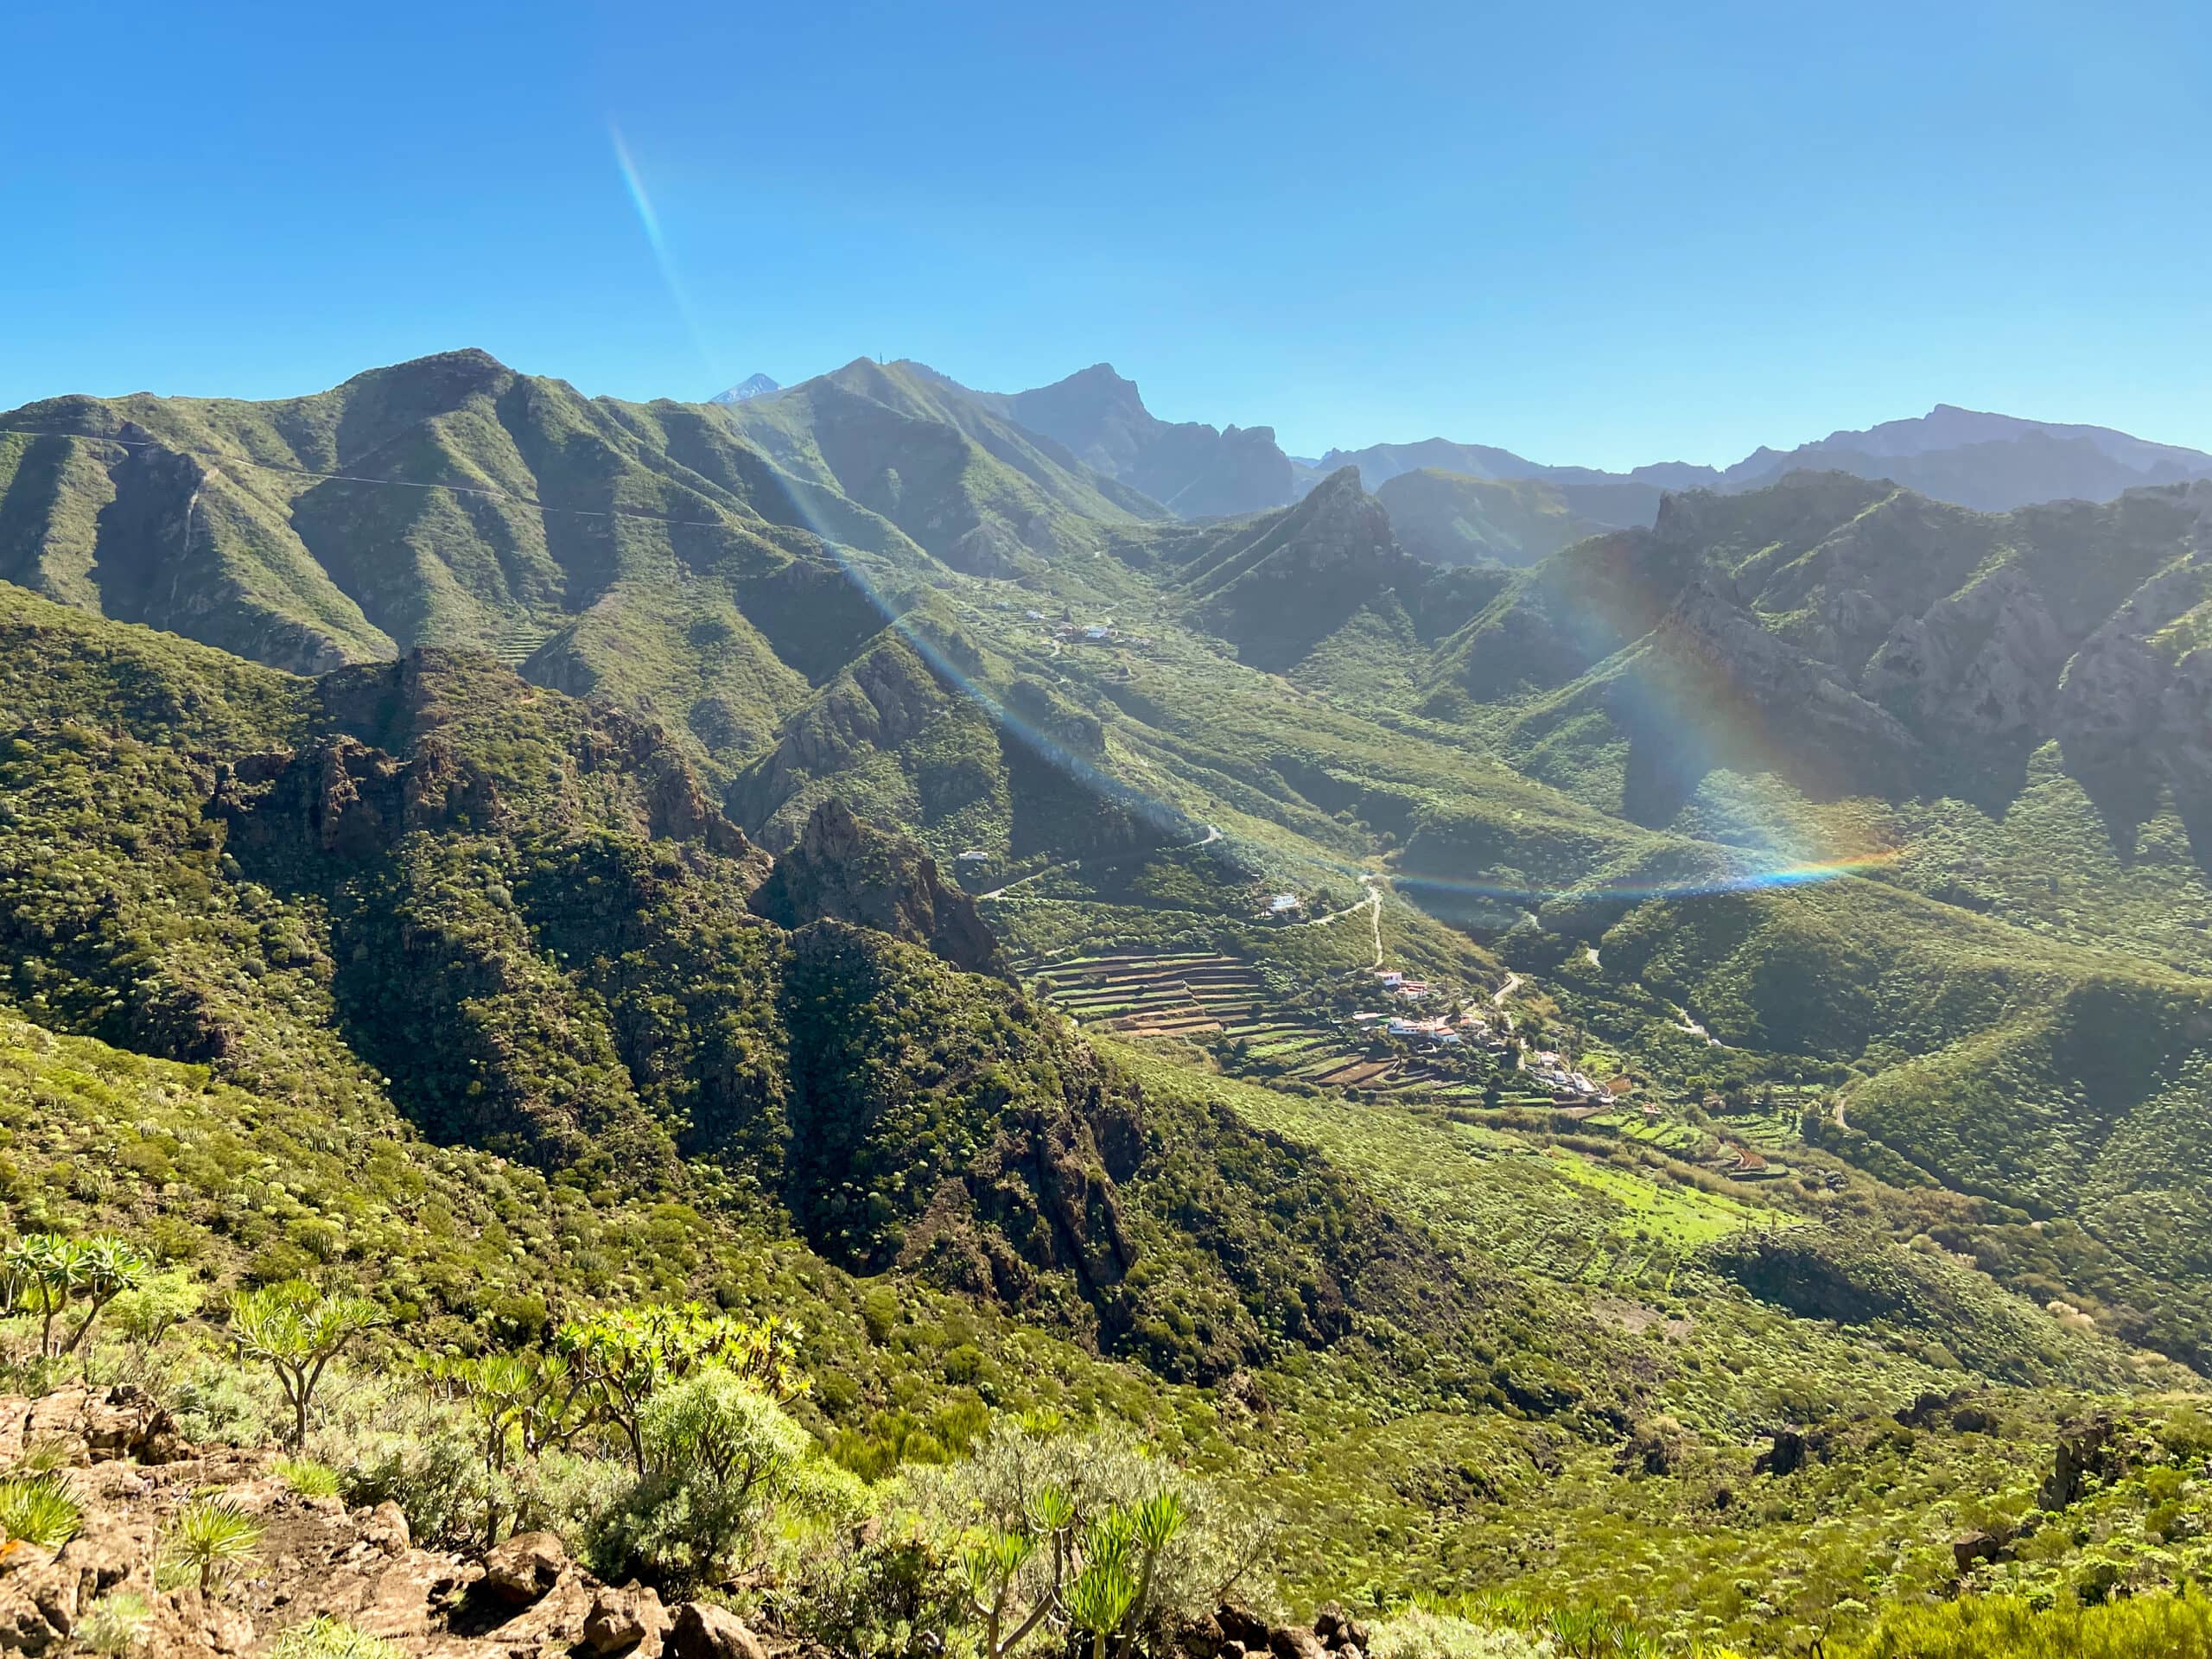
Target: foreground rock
x=315, y=1559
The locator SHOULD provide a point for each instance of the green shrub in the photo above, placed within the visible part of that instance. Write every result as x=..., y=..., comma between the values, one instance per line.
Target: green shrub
x=1415, y=1634
x=719, y=1453
x=1992, y=1627
x=331, y=1638
x=308, y=1477
x=114, y=1625
x=1216, y=1549
x=38, y=1509
x=210, y=1537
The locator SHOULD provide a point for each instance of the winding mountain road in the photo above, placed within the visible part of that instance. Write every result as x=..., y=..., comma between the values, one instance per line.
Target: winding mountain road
x=1212, y=835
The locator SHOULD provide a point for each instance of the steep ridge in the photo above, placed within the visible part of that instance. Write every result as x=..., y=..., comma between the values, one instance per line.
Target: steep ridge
x=642, y=552
x=1195, y=470
x=1859, y=639
x=979, y=492
x=1449, y=518
x=841, y=869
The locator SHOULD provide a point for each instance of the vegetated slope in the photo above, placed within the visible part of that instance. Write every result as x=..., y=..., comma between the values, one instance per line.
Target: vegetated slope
x=1612, y=498
x=1277, y=585
x=507, y=935
x=1993, y=462
x=982, y=495
x=426, y=892
x=1195, y=470
x=1974, y=1054
x=643, y=552
x=1857, y=639
x=1449, y=518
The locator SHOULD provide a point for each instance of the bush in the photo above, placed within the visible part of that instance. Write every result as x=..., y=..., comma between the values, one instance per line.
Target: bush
x=719, y=1453
x=332, y=1638
x=38, y=1509
x=308, y=1477
x=114, y=1625
x=425, y=1454
x=2003, y=1627
x=1216, y=1550
x=1415, y=1634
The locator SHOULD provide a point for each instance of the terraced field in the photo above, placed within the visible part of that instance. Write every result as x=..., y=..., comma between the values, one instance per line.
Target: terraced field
x=1226, y=1003
x=516, y=639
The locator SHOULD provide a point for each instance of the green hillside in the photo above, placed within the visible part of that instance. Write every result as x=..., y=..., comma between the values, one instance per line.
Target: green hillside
x=1527, y=1077
x=1449, y=518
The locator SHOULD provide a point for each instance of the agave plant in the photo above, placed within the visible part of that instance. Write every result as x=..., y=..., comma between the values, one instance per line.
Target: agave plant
x=38, y=1509
x=210, y=1536
x=1100, y=1597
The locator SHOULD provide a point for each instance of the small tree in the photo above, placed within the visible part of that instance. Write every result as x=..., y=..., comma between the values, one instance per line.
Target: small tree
x=105, y=1267
x=297, y=1330
x=526, y=1401
x=211, y=1535
x=1153, y=1525
x=40, y=1268
x=47, y=1272
x=993, y=1568
x=620, y=1356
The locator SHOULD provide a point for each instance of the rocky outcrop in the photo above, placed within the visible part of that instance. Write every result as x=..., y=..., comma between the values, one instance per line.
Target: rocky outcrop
x=2085, y=1453
x=1277, y=587
x=341, y=799
x=85, y=1425
x=881, y=700
x=1710, y=687
x=846, y=871
x=315, y=1559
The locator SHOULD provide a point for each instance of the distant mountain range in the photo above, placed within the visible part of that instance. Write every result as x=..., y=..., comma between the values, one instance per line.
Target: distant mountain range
x=1992, y=463
x=758, y=386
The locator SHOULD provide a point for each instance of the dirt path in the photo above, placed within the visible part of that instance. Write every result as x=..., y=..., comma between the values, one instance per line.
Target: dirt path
x=1375, y=914
x=1690, y=1027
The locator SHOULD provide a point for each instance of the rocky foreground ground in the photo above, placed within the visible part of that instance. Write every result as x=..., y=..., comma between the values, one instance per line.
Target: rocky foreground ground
x=523, y=1598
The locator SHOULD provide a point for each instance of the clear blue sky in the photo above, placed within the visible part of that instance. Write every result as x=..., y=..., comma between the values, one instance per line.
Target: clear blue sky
x=1603, y=233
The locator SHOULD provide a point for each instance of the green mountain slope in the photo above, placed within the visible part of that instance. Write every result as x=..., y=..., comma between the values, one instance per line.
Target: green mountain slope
x=1449, y=518
x=1195, y=470
x=520, y=940
x=980, y=492
x=1856, y=639
x=641, y=551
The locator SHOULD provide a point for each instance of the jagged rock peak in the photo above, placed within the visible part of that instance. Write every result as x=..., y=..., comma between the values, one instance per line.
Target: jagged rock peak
x=756, y=385
x=842, y=869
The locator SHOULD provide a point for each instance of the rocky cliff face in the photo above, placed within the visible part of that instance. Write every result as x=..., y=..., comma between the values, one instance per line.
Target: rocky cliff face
x=1858, y=638
x=1278, y=584
x=844, y=870
x=1194, y=469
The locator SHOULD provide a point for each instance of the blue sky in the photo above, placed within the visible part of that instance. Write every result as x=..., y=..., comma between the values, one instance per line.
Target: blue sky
x=1598, y=233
